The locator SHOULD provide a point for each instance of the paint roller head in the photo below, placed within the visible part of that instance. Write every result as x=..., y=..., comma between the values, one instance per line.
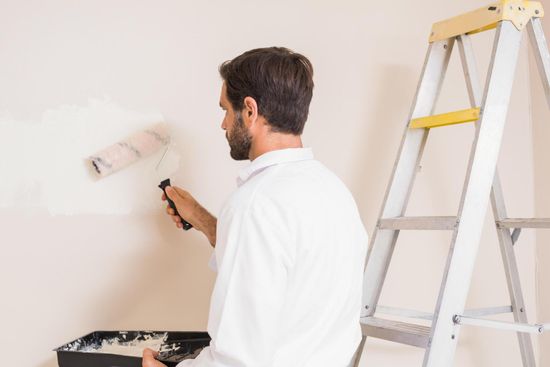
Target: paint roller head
x=122, y=154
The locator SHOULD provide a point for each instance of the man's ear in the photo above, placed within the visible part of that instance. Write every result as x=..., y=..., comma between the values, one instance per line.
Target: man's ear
x=250, y=111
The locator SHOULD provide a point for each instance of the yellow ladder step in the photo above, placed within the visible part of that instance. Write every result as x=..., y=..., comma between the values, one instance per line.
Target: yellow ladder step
x=444, y=119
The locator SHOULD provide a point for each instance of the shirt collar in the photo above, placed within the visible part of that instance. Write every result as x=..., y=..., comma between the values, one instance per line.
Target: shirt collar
x=273, y=158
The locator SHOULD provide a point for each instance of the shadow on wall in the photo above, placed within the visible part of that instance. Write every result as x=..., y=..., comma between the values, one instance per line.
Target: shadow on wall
x=156, y=290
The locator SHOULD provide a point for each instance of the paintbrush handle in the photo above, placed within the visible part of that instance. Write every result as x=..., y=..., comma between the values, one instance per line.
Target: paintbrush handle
x=163, y=185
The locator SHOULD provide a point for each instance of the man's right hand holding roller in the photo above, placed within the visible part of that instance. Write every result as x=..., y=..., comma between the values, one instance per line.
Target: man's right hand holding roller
x=192, y=211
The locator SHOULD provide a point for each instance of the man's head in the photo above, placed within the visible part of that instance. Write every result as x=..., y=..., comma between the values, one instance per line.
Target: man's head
x=273, y=85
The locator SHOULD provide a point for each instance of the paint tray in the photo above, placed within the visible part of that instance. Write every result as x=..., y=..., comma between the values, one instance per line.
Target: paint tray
x=177, y=346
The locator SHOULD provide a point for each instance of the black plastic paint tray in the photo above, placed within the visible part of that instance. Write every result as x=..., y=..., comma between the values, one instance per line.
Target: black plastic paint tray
x=177, y=346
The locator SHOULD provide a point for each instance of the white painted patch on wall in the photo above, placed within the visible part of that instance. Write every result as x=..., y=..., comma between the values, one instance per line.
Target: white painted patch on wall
x=43, y=162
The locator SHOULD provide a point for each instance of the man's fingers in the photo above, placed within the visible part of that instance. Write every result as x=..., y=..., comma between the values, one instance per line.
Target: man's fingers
x=149, y=353
x=170, y=192
x=172, y=213
x=149, y=358
x=176, y=220
x=182, y=199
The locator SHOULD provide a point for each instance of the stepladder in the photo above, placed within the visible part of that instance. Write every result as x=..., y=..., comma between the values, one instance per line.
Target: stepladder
x=488, y=110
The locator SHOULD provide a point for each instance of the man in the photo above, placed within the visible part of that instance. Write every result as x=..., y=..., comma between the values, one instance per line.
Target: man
x=289, y=242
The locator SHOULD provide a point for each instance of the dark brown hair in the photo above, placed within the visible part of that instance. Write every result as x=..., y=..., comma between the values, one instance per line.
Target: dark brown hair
x=281, y=82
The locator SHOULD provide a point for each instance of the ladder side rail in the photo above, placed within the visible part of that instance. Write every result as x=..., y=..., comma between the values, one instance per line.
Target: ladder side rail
x=469, y=66
x=383, y=241
x=406, y=165
x=359, y=352
x=475, y=197
x=499, y=212
x=512, y=274
x=540, y=50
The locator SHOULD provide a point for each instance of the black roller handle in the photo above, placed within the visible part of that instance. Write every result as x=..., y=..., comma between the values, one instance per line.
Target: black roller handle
x=163, y=185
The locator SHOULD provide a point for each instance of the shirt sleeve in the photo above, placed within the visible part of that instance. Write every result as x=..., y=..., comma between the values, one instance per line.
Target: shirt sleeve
x=248, y=298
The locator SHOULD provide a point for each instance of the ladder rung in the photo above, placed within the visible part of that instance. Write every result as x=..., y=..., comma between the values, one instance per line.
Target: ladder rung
x=396, y=331
x=445, y=119
x=426, y=223
x=524, y=223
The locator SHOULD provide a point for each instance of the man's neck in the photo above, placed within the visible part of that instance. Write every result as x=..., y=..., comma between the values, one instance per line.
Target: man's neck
x=274, y=141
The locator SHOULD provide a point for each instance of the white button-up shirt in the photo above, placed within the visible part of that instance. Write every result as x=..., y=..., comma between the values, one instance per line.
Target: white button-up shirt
x=289, y=254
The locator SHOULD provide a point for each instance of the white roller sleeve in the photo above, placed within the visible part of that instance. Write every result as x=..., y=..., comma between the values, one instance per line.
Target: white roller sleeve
x=129, y=150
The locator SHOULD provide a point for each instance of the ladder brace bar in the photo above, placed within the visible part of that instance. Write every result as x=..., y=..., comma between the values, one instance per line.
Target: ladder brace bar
x=414, y=314
x=502, y=325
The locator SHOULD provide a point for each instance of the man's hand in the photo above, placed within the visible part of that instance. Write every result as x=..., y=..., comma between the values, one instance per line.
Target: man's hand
x=187, y=206
x=149, y=359
x=192, y=212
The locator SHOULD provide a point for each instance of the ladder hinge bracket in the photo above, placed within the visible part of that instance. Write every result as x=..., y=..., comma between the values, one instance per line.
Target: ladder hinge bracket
x=516, y=11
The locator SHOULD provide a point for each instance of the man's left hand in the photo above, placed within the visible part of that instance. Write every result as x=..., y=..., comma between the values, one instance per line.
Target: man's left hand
x=149, y=359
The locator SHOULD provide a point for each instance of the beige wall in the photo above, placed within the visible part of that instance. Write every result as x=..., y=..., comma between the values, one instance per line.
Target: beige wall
x=63, y=276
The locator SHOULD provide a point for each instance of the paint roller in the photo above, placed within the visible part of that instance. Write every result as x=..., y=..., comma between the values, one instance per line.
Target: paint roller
x=138, y=145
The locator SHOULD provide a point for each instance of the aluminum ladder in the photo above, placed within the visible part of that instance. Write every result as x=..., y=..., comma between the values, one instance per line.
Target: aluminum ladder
x=488, y=112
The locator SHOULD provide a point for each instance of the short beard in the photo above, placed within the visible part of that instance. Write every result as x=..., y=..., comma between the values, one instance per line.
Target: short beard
x=240, y=140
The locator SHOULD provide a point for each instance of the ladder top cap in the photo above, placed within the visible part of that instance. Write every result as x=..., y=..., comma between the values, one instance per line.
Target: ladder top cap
x=516, y=11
